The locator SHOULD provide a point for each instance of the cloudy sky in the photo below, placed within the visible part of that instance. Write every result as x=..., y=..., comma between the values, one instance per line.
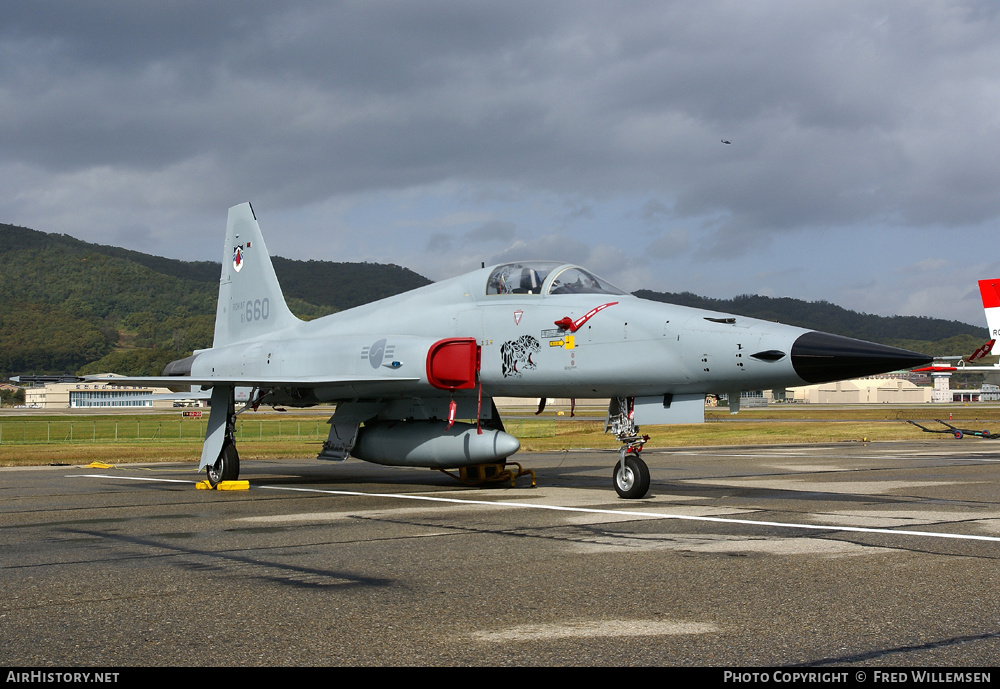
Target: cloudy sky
x=864, y=167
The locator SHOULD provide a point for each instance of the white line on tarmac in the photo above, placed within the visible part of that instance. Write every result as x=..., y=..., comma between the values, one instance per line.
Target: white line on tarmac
x=590, y=510
x=783, y=455
x=131, y=478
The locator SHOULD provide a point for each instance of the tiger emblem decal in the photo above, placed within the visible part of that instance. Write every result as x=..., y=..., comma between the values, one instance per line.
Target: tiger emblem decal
x=516, y=354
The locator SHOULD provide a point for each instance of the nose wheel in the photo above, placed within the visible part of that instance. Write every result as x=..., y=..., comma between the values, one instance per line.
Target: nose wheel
x=631, y=477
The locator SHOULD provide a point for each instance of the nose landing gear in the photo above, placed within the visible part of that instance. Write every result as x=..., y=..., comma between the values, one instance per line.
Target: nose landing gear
x=631, y=475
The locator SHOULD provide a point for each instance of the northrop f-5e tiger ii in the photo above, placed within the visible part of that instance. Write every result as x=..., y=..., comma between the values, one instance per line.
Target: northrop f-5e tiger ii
x=402, y=370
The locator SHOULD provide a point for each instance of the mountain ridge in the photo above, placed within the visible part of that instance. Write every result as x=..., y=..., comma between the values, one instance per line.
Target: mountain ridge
x=67, y=305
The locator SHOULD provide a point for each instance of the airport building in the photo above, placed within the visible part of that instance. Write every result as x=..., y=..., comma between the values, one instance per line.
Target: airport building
x=94, y=396
x=986, y=393
x=861, y=391
x=943, y=392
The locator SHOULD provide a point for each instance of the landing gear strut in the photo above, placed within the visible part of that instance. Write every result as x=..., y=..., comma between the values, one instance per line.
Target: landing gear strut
x=227, y=465
x=631, y=476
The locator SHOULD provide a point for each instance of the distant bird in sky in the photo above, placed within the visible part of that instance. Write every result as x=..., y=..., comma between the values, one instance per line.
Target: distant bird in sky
x=726, y=142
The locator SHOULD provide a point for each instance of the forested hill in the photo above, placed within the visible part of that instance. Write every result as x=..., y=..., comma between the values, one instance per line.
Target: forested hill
x=68, y=305
x=341, y=286
x=934, y=336
x=330, y=285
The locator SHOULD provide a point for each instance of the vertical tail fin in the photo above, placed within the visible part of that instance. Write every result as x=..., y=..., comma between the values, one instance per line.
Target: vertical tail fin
x=250, y=300
x=990, y=291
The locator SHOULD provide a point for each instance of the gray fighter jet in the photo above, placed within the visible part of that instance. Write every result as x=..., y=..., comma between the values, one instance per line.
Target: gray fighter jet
x=402, y=369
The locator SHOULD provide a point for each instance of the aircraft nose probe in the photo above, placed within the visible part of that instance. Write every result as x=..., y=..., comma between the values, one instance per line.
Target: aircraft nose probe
x=819, y=357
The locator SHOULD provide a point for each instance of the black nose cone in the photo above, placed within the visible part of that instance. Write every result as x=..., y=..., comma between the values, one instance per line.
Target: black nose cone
x=820, y=357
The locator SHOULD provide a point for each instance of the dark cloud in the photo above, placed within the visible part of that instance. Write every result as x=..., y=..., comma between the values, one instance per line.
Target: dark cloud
x=670, y=244
x=654, y=210
x=492, y=231
x=841, y=114
x=439, y=242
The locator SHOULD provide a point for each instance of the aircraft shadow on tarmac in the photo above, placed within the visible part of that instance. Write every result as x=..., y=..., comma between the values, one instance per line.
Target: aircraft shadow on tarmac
x=278, y=571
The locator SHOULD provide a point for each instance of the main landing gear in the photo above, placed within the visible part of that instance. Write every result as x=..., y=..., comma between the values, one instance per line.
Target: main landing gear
x=222, y=421
x=631, y=476
x=226, y=467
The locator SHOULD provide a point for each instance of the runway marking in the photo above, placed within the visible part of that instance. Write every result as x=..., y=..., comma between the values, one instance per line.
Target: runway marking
x=812, y=456
x=893, y=517
x=936, y=455
x=810, y=468
x=802, y=485
x=397, y=513
x=594, y=510
x=702, y=543
x=133, y=478
x=591, y=629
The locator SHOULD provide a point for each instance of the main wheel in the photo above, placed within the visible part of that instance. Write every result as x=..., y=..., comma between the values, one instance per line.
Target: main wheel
x=631, y=477
x=226, y=467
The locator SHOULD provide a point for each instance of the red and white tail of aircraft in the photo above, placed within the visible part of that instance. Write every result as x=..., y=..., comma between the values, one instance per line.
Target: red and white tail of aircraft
x=989, y=290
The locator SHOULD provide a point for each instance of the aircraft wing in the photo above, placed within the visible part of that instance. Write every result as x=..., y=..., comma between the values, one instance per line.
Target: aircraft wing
x=285, y=382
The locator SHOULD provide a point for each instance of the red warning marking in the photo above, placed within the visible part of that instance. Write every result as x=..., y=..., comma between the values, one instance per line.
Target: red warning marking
x=567, y=324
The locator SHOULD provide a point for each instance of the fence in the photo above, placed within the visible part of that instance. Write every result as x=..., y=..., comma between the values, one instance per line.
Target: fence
x=531, y=428
x=110, y=430
x=183, y=430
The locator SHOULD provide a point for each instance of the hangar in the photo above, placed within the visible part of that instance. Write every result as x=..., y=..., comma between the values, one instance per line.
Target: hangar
x=862, y=391
x=94, y=396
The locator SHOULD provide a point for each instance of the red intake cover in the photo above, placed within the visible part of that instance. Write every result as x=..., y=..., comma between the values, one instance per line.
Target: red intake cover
x=452, y=363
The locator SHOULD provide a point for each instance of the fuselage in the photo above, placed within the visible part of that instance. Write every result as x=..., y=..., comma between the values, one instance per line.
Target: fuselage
x=543, y=340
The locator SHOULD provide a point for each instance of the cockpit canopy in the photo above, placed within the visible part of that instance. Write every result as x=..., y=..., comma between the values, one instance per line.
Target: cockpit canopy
x=542, y=277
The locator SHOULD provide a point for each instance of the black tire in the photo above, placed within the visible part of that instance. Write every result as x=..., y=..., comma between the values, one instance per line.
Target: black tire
x=226, y=467
x=631, y=478
x=958, y=435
